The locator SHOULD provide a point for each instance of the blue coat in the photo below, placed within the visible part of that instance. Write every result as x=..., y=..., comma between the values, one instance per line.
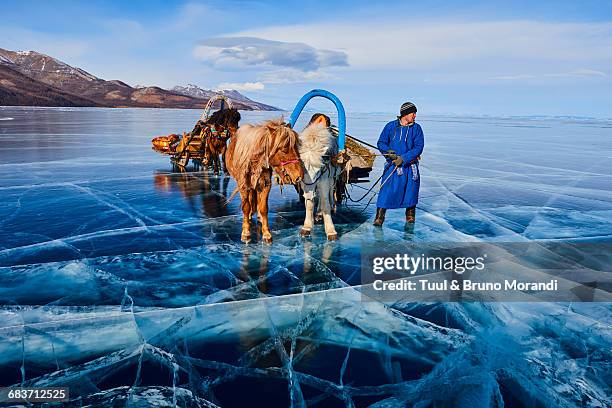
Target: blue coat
x=400, y=191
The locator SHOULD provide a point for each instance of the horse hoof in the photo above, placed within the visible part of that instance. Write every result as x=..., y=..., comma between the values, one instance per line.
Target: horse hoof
x=267, y=240
x=332, y=237
x=304, y=233
x=245, y=238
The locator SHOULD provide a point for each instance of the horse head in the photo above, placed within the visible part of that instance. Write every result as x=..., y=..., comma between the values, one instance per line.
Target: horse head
x=284, y=156
x=228, y=118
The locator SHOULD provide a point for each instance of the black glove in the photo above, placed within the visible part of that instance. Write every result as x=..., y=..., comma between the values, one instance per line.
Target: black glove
x=398, y=161
x=390, y=154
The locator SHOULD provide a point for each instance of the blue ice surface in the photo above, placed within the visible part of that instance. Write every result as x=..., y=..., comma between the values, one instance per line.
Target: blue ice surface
x=126, y=281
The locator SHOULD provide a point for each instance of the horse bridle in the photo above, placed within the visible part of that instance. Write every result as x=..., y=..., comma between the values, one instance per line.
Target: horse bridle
x=283, y=170
x=282, y=163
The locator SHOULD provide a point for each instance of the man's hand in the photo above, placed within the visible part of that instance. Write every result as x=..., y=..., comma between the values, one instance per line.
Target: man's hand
x=391, y=154
x=398, y=161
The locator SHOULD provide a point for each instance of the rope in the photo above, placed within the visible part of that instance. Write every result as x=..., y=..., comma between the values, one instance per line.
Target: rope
x=370, y=189
x=373, y=185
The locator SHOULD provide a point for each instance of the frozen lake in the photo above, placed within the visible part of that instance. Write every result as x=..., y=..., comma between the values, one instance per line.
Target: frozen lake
x=116, y=272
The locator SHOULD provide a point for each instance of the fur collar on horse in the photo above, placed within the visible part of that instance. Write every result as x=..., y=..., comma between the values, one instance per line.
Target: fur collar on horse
x=316, y=148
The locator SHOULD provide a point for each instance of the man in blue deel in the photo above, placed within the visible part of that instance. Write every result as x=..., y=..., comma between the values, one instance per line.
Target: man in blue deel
x=402, y=142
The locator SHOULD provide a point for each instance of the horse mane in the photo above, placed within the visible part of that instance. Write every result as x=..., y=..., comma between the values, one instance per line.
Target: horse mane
x=316, y=141
x=255, y=144
x=225, y=117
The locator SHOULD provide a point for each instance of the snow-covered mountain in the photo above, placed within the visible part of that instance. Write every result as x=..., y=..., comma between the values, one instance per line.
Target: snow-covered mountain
x=36, y=65
x=233, y=95
x=193, y=90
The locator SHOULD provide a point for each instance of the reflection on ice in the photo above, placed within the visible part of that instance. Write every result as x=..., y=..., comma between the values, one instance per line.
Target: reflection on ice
x=129, y=283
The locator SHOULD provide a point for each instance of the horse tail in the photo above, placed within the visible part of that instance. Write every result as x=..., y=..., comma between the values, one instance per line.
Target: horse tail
x=231, y=197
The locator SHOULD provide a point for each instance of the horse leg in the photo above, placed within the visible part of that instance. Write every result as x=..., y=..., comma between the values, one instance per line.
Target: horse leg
x=253, y=200
x=299, y=191
x=223, y=160
x=262, y=210
x=206, y=158
x=216, y=163
x=325, y=202
x=246, y=217
x=309, y=203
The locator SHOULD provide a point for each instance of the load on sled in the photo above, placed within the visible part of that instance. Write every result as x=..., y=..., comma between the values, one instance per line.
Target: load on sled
x=205, y=145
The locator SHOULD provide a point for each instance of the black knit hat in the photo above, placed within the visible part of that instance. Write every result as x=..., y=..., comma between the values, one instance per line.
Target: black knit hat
x=407, y=107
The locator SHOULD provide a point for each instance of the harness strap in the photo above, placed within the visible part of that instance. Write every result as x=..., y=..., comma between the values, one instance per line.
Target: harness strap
x=289, y=162
x=321, y=171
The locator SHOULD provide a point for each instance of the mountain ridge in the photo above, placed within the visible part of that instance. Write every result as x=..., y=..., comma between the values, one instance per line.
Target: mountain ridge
x=64, y=84
x=17, y=89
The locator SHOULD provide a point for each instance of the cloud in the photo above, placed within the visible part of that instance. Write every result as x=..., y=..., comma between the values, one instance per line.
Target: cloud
x=259, y=52
x=575, y=73
x=193, y=15
x=446, y=46
x=514, y=77
x=587, y=72
x=129, y=33
x=291, y=76
x=246, y=86
x=127, y=27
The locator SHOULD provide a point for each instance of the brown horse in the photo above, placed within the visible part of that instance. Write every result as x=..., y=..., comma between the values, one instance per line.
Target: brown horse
x=216, y=145
x=221, y=126
x=253, y=154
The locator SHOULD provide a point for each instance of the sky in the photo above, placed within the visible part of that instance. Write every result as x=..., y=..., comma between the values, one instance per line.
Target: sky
x=510, y=58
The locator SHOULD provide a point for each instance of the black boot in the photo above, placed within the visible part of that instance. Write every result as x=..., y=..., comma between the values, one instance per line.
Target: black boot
x=380, y=217
x=411, y=214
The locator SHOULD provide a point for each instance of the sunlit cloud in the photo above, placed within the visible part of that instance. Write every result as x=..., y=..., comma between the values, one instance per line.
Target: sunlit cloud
x=252, y=51
x=245, y=86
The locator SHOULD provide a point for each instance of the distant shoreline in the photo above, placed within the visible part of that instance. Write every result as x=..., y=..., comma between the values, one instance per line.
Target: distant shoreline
x=133, y=107
x=350, y=113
